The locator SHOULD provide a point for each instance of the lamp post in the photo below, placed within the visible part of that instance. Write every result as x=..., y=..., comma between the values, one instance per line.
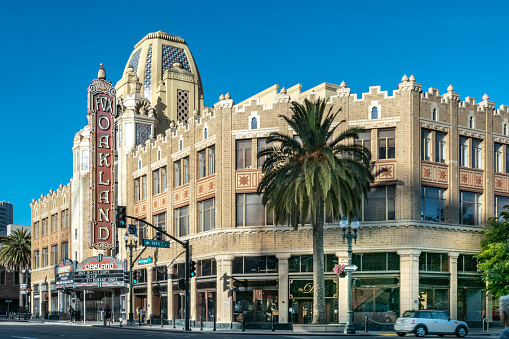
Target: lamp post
x=26, y=274
x=349, y=233
x=131, y=243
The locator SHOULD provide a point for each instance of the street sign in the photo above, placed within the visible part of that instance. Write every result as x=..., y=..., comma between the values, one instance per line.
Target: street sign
x=351, y=268
x=8, y=301
x=131, y=229
x=23, y=288
x=156, y=243
x=145, y=261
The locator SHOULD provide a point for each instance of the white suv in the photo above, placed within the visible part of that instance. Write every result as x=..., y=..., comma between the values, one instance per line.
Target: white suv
x=429, y=322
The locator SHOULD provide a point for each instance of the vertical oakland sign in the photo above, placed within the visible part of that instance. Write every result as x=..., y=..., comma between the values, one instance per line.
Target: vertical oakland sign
x=101, y=110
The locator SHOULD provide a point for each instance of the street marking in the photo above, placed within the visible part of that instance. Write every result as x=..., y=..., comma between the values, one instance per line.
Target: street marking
x=388, y=334
x=13, y=336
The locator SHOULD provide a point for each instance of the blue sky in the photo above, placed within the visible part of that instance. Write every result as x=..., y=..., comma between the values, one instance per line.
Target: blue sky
x=50, y=52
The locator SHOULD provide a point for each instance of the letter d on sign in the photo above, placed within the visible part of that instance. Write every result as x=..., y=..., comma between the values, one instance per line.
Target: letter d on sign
x=104, y=233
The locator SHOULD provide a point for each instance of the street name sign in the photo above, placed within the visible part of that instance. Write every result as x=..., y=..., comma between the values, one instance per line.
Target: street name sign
x=145, y=261
x=156, y=243
x=351, y=268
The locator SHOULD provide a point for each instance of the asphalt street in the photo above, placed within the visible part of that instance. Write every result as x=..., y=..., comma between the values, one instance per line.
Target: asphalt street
x=29, y=330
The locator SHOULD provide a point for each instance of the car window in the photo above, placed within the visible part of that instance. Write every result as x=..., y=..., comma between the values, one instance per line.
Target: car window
x=440, y=315
x=426, y=315
x=408, y=314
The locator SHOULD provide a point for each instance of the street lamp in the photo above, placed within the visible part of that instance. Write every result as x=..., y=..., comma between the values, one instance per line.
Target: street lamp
x=131, y=244
x=26, y=274
x=349, y=233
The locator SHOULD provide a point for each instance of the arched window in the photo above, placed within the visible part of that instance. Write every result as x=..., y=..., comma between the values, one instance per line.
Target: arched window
x=181, y=145
x=204, y=133
x=254, y=123
x=505, y=129
x=374, y=113
x=139, y=164
x=434, y=114
x=158, y=155
x=471, y=122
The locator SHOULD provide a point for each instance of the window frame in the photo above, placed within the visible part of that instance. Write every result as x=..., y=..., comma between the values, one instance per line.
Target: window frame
x=246, y=154
x=441, y=203
x=202, y=212
x=387, y=140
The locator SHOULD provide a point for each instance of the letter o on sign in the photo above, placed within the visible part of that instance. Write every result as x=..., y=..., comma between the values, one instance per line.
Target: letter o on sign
x=101, y=123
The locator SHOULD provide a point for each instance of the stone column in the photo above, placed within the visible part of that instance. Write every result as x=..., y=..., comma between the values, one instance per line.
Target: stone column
x=224, y=288
x=49, y=299
x=342, y=290
x=409, y=280
x=194, y=300
x=453, y=288
x=283, y=292
x=170, y=294
x=150, y=278
x=489, y=307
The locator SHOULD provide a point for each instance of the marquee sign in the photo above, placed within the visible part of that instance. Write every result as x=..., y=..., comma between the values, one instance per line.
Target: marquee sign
x=64, y=274
x=100, y=271
x=101, y=111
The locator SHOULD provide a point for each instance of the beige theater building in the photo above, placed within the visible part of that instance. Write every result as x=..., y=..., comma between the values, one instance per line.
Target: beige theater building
x=193, y=170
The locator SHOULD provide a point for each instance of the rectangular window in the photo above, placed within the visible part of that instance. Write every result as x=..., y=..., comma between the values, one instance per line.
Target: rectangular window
x=387, y=143
x=202, y=166
x=16, y=277
x=507, y=159
x=463, y=152
x=159, y=180
x=425, y=145
x=206, y=214
x=434, y=262
x=497, y=166
x=44, y=227
x=36, y=229
x=500, y=204
x=388, y=261
x=251, y=212
x=243, y=149
x=64, y=219
x=182, y=221
x=212, y=160
x=140, y=188
x=54, y=255
x=54, y=220
x=45, y=261
x=263, y=145
x=142, y=231
x=3, y=277
x=253, y=265
x=186, y=170
x=380, y=204
x=470, y=208
x=476, y=154
x=177, y=173
x=160, y=221
x=64, y=247
x=143, y=187
x=364, y=139
x=467, y=263
x=432, y=204
x=36, y=259
x=439, y=147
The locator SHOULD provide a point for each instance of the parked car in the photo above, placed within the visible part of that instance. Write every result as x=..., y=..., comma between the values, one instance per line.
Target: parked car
x=429, y=322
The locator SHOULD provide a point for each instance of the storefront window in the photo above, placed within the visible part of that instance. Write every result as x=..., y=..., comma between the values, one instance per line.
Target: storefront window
x=301, y=300
x=434, y=262
x=434, y=293
x=376, y=298
x=249, y=265
x=256, y=300
x=388, y=261
x=304, y=263
x=471, y=298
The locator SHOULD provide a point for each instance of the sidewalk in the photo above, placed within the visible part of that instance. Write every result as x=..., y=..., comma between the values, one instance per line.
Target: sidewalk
x=493, y=332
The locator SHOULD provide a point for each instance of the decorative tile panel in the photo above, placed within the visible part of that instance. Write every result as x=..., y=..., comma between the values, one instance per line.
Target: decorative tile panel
x=181, y=196
x=386, y=171
x=471, y=178
x=501, y=183
x=247, y=180
x=206, y=186
x=54, y=238
x=45, y=241
x=64, y=234
x=434, y=173
x=182, y=106
x=35, y=244
x=140, y=209
x=172, y=55
x=148, y=72
x=159, y=202
x=143, y=132
x=135, y=60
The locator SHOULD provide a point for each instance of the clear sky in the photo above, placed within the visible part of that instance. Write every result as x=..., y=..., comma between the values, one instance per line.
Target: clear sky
x=51, y=50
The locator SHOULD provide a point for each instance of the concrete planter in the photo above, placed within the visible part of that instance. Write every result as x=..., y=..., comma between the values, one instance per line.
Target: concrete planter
x=310, y=328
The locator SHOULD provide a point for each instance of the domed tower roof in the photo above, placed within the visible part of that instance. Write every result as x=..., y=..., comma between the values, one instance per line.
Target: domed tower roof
x=155, y=60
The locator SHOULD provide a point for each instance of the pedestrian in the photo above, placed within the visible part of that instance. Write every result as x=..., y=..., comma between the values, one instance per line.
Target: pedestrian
x=142, y=316
x=71, y=313
x=503, y=306
x=107, y=315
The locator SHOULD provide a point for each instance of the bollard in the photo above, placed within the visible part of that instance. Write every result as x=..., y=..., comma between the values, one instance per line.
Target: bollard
x=243, y=322
x=201, y=323
x=120, y=321
x=273, y=329
x=366, y=324
x=162, y=321
x=151, y=320
x=173, y=321
x=214, y=317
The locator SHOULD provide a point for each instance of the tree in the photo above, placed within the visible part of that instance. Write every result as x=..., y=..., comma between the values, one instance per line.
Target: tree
x=15, y=250
x=493, y=261
x=314, y=173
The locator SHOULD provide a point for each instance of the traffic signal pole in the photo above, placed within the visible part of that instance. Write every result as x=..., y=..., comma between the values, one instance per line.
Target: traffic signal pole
x=185, y=244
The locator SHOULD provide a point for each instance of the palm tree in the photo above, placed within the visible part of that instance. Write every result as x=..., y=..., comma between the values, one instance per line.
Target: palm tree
x=315, y=172
x=15, y=250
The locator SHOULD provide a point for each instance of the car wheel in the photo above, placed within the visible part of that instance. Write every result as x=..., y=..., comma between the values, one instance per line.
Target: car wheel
x=401, y=334
x=420, y=331
x=461, y=331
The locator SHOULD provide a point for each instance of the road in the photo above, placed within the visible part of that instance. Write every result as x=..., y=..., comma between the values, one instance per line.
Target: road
x=24, y=330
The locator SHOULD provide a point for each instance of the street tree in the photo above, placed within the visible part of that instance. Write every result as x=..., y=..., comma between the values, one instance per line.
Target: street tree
x=15, y=250
x=319, y=171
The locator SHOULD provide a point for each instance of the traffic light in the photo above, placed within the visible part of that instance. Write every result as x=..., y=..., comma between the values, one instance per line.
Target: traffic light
x=126, y=277
x=135, y=277
x=121, y=217
x=193, y=268
x=159, y=236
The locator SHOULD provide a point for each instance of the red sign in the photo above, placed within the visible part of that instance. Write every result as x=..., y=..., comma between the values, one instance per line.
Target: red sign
x=101, y=110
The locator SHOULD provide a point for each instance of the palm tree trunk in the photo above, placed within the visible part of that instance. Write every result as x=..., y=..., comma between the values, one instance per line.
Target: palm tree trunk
x=318, y=265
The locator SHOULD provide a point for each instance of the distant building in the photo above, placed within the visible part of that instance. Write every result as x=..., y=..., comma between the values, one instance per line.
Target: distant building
x=9, y=288
x=12, y=227
x=5, y=216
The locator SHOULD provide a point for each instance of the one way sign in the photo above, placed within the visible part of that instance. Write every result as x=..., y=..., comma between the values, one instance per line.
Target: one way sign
x=132, y=229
